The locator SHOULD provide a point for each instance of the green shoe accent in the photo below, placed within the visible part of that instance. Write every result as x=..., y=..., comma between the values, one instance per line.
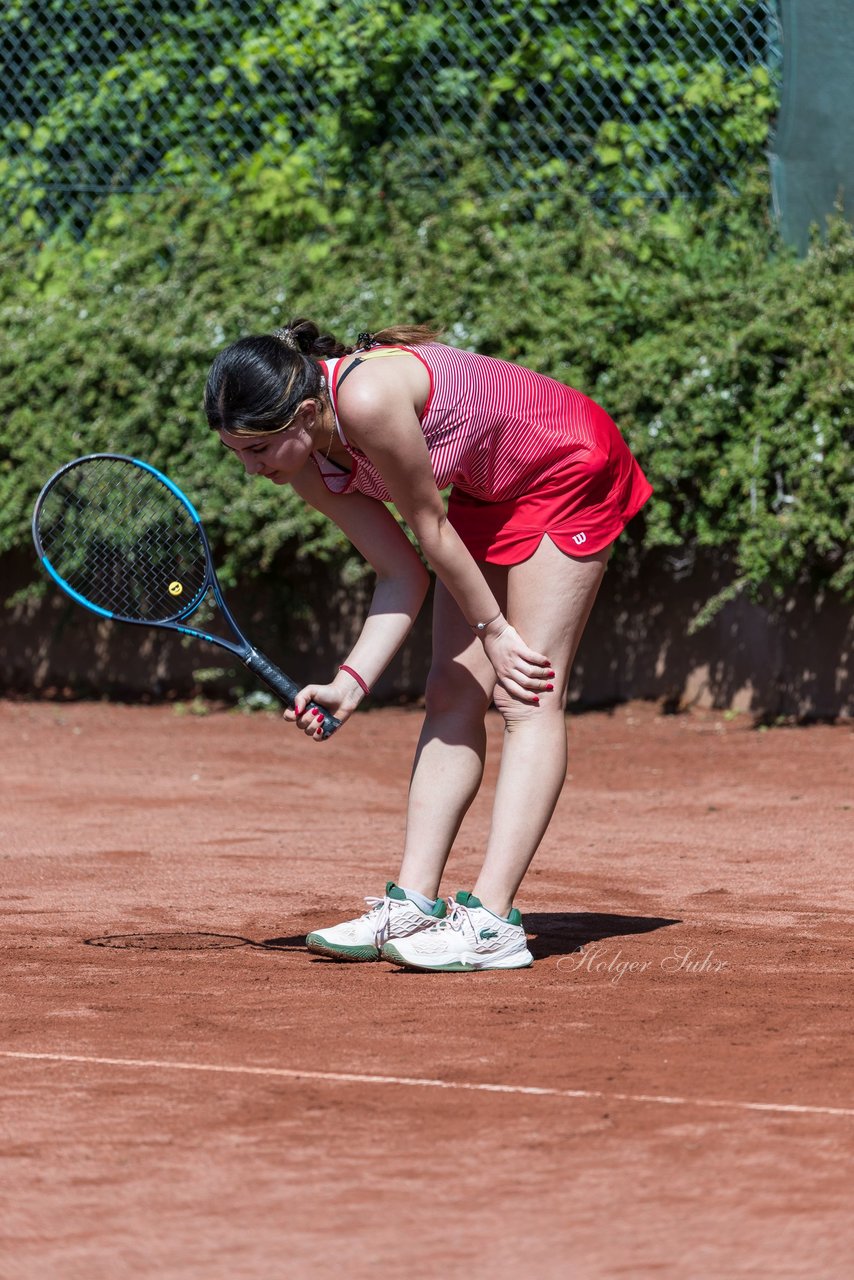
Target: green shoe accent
x=392, y=891
x=469, y=900
x=320, y=946
x=440, y=910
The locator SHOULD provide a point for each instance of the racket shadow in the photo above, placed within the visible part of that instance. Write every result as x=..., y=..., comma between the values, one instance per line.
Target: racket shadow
x=559, y=933
x=174, y=940
x=193, y=941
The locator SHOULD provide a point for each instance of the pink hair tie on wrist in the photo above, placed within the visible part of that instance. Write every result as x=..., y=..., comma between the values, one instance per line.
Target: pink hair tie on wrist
x=359, y=681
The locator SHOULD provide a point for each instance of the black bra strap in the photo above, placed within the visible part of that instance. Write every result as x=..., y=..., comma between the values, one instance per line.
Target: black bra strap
x=348, y=371
x=374, y=354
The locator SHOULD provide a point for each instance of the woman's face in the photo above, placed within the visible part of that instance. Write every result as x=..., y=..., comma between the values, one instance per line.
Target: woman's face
x=281, y=455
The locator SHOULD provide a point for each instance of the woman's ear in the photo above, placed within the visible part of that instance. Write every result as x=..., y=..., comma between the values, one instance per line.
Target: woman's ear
x=307, y=413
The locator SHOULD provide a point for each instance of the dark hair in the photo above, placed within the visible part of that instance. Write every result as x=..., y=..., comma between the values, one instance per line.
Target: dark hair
x=257, y=384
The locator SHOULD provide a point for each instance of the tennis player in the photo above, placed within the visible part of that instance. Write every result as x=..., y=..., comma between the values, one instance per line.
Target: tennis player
x=542, y=484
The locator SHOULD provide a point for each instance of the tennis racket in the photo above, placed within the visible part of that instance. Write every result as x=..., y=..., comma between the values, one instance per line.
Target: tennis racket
x=122, y=540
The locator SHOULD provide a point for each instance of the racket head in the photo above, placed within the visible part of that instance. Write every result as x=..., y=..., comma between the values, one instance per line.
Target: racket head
x=121, y=539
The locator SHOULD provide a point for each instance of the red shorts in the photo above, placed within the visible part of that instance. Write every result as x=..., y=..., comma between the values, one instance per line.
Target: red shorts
x=583, y=505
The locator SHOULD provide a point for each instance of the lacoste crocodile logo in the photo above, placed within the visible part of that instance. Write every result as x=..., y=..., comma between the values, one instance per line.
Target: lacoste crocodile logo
x=488, y=933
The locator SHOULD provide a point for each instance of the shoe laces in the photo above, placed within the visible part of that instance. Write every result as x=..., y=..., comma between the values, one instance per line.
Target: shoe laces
x=458, y=918
x=381, y=925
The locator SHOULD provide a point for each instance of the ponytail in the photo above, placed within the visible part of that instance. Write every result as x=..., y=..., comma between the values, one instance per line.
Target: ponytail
x=404, y=335
x=303, y=335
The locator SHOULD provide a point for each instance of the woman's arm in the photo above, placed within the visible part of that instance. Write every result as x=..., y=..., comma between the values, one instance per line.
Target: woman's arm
x=401, y=586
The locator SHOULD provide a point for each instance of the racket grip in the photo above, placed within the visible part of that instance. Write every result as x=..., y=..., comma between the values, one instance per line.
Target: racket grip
x=284, y=687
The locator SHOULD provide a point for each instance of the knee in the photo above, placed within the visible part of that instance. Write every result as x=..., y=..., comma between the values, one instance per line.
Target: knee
x=515, y=712
x=451, y=689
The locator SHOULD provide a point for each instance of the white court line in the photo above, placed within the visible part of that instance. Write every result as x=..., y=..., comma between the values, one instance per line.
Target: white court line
x=346, y=1077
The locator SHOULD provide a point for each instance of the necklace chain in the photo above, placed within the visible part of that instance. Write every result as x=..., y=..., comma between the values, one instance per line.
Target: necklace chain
x=331, y=435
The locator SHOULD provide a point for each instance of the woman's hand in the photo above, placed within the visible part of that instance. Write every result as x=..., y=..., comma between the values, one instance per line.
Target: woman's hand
x=523, y=672
x=339, y=698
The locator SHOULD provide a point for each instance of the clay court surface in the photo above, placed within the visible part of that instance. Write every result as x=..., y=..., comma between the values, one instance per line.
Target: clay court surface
x=188, y=1093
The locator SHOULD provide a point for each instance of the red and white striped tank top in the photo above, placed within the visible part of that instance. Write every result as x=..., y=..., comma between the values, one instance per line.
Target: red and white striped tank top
x=492, y=428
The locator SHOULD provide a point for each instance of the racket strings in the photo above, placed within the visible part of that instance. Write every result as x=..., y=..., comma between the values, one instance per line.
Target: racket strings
x=124, y=542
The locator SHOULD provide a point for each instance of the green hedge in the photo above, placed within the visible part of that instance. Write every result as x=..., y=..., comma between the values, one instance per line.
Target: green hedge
x=726, y=362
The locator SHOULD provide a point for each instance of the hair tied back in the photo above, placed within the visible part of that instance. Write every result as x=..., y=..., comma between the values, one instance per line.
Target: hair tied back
x=287, y=336
x=365, y=341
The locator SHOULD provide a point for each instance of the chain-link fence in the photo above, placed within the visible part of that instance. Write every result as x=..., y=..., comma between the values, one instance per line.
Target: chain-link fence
x=626, y=99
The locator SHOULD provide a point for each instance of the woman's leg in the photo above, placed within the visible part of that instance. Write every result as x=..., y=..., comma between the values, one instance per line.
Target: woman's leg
x=450, y=756
x=549, y=601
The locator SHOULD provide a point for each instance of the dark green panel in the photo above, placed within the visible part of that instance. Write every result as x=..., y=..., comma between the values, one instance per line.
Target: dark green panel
x=812, y=152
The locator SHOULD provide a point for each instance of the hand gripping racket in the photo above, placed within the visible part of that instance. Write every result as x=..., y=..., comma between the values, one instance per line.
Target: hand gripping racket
x=121, y=539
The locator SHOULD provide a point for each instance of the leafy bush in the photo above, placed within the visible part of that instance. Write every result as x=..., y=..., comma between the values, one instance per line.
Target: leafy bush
x=625, y=99
x=726, y=362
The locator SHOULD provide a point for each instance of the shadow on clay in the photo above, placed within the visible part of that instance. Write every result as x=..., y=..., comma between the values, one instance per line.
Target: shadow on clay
x=559, y=933
x=549, y=933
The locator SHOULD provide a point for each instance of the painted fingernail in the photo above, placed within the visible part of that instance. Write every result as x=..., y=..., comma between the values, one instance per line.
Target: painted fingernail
x=550, y=675
x=536, y=702
x=319, y=714
x=549, y=688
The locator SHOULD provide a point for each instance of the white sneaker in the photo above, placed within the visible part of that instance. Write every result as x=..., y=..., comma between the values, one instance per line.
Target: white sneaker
x=470, y=938
x=392, y=916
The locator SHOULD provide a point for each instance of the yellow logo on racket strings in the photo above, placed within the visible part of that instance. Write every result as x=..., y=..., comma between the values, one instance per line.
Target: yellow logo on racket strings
x=175, y=588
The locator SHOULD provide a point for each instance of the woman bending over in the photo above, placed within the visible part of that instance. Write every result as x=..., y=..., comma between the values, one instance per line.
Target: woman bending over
x=542, y=484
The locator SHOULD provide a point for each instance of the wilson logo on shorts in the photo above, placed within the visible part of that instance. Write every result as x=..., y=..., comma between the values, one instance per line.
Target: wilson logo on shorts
x=579, y=538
